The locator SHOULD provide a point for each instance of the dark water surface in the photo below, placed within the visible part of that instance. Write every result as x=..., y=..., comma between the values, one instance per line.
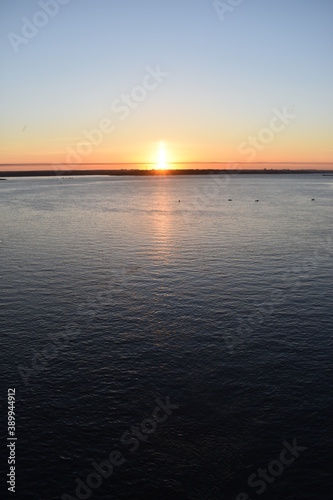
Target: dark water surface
x=114, y=295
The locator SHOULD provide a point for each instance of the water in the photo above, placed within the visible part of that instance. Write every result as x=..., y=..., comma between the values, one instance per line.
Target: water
x=114, y=294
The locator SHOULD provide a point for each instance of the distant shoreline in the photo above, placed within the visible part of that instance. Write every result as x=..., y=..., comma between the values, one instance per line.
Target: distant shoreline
x=152, y=172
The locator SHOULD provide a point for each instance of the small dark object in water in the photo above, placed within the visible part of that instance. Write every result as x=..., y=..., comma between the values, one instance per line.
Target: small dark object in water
x=178, y=201
x=229, y=199
x=256, y=200
x=313, y=199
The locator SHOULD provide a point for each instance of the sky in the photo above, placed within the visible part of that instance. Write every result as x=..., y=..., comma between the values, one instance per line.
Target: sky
x=157, y=82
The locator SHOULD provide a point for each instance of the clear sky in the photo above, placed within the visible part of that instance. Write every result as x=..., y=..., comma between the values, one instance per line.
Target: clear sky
x=166, y=81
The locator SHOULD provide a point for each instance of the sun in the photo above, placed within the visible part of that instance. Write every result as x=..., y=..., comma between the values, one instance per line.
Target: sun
x=162, y=161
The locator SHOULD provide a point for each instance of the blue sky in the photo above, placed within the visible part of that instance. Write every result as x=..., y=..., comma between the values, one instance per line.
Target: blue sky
x=225, y=78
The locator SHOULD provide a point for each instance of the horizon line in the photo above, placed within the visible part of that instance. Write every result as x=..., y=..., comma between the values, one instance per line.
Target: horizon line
x=174, y=163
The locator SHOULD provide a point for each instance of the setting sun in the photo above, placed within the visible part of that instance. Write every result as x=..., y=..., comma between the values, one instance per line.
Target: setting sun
x=162, y=162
